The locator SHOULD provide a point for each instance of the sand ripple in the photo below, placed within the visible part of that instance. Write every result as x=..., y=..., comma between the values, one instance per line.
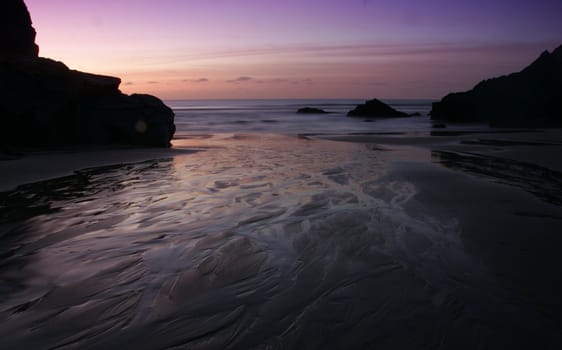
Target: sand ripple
x=254, y=243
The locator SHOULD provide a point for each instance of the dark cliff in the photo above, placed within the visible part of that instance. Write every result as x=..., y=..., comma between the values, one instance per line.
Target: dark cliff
x=17, y=35
x=529, y=98
x=44, y=103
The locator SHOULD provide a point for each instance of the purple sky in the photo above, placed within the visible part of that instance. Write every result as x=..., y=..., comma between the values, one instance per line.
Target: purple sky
x=289, y=49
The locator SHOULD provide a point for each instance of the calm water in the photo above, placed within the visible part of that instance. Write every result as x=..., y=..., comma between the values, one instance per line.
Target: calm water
x=279, y=116
x=265, y=240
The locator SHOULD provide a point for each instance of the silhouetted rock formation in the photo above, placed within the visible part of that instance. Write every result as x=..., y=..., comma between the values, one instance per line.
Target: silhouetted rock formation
x=376, y=109
x=17, y=36
x=44, y=103
x=529, y=98
x=310, y=110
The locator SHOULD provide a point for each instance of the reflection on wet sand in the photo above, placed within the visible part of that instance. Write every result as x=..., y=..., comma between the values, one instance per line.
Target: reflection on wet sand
x=258, y=242
x=542, y=182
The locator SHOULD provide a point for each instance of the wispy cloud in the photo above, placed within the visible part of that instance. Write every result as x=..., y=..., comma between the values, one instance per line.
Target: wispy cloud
x=200, y=80
x=273, y=81
x=153, y=82
x=366, y=50
x=307, y=81
x=240, y=80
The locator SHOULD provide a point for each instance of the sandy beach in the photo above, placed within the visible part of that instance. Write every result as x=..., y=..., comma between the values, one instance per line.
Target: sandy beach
x=269, y=240
x=18, y=168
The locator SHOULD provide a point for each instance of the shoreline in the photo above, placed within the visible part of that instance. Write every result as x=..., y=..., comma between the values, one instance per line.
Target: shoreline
x=537, y=147
x=36, y=166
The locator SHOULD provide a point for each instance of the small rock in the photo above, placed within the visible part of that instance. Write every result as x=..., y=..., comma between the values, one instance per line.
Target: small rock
x=376, y=109
x=310, y=110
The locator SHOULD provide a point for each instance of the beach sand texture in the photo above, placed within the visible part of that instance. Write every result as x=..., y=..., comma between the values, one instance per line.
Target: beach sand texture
x=275, y=241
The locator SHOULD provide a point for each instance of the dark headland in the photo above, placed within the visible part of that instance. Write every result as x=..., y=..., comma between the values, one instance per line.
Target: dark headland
x=44, y=103
x=529, y=98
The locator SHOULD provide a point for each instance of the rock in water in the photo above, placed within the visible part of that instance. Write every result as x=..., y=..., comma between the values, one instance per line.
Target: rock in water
x=44, y=103
x=529, y=98
x=310, y=110
x=376, y=109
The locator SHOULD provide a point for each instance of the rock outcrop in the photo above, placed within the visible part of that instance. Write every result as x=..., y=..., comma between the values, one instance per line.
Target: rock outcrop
x=44, y=103
x=529, y=98
x=376, y=109
x=17, y=35
x=311, y=110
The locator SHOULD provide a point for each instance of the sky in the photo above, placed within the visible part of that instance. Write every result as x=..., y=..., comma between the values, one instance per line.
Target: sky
x=200, y=49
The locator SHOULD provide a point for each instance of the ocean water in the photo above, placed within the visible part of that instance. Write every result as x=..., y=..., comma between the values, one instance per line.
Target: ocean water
x=279, y=116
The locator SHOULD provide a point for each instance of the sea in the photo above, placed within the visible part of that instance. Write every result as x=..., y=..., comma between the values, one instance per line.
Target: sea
x=279, y=116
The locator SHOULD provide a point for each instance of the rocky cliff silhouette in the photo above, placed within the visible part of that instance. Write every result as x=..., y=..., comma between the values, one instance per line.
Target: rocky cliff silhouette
x=529, y=98
x=44, y=103
x=16, y=33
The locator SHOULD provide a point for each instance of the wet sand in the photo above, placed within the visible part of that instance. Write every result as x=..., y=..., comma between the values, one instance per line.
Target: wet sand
x=271, y=241
x=20, y=168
